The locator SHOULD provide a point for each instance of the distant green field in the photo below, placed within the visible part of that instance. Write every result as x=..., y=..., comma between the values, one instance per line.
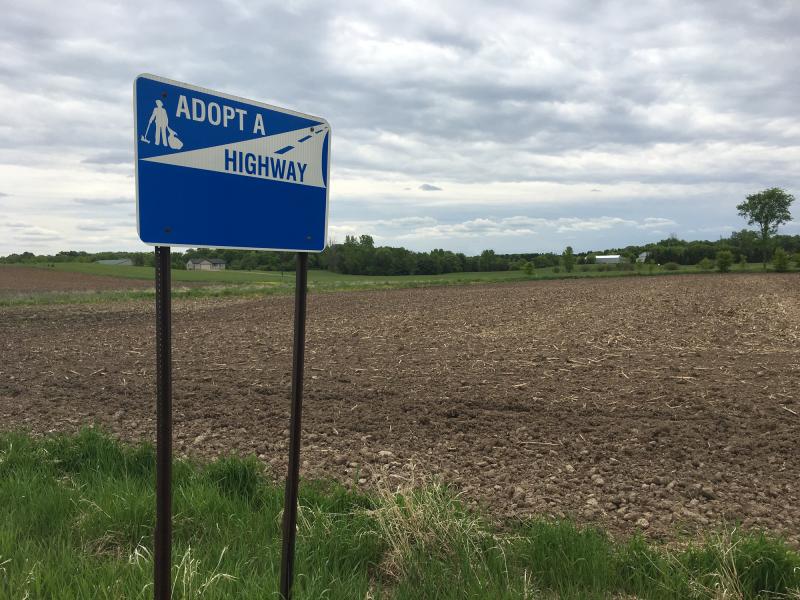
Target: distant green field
x=149, y=273
x=253, y=283
x=316, y=278
x=324, y=278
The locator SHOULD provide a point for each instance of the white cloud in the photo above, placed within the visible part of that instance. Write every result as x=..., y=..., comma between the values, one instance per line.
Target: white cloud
x=656, y=223
x=471, y=234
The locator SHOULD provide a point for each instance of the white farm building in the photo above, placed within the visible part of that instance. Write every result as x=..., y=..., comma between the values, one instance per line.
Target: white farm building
x=205, y=264
x=608, y=259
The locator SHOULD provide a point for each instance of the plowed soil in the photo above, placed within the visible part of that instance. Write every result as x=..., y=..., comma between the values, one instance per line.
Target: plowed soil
x=23, y=280
x=662, y=403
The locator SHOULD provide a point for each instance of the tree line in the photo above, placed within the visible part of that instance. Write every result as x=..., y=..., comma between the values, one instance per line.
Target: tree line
x=358, y=255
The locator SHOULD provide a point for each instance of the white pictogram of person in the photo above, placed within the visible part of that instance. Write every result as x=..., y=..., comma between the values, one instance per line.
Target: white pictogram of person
x=164, y=135
x=162, y=121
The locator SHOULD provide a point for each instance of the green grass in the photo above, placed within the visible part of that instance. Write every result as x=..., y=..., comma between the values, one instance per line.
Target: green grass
x=178, y=275
x=206, y=284
x=315, y=276
x=76, y=516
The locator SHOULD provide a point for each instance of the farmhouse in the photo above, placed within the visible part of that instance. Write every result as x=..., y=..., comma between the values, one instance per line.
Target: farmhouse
x=116, y=262
x=609, y=259
x=205, y=264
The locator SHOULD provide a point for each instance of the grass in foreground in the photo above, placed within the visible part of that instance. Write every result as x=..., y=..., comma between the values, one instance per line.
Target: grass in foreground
x=77, y=512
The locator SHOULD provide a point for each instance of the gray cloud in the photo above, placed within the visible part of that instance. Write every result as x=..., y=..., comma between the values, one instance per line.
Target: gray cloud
x=93, y=227
x=427, y=187
x=110, y=158
x=103, y=201
x=32, y=234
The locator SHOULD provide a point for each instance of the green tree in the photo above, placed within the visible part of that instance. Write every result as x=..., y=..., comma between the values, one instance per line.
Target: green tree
x=528, y=267
x=568, y=258
x=488, y=261
x=705, y=264
x=768, y=209
x=780, y=260
x=724, y=260
x=745, y=243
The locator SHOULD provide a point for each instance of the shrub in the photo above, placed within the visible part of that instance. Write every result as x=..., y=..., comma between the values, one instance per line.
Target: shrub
x=528, y=268
x=556, y=269
x=780, y=260
x=724, y=261
x=705, y=265
x=671, y=266
x=568, y=259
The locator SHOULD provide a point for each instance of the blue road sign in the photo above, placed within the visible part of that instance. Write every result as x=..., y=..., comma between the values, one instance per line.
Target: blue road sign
x=214, y=170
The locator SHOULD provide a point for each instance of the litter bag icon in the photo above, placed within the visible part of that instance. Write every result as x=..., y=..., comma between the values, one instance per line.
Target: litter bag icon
x=172, y=139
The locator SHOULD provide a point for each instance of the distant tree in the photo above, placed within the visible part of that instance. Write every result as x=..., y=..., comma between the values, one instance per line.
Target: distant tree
x=705, y=264
x=743, y=263
x=487, y=260
x=591, y=259
x=780, y=260
x=768, y=209
x=745, y=243
x=724, y=260
x=528, y=267
x=568, y=258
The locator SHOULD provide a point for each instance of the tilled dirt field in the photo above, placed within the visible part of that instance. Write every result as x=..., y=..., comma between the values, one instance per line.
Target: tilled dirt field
x=664, y=403
x=22, y=280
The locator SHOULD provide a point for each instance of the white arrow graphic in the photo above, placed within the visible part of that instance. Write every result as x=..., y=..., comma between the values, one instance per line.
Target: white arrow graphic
x=292, y=157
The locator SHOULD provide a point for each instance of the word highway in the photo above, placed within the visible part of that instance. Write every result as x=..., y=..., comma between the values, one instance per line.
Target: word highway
x=268, y=167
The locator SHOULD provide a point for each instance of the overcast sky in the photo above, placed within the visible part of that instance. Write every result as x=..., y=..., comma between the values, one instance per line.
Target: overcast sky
x=518, y=126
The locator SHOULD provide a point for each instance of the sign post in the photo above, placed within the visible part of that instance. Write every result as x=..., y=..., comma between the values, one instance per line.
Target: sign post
x=219, y=171
x=295, y=427
x=162, y=561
